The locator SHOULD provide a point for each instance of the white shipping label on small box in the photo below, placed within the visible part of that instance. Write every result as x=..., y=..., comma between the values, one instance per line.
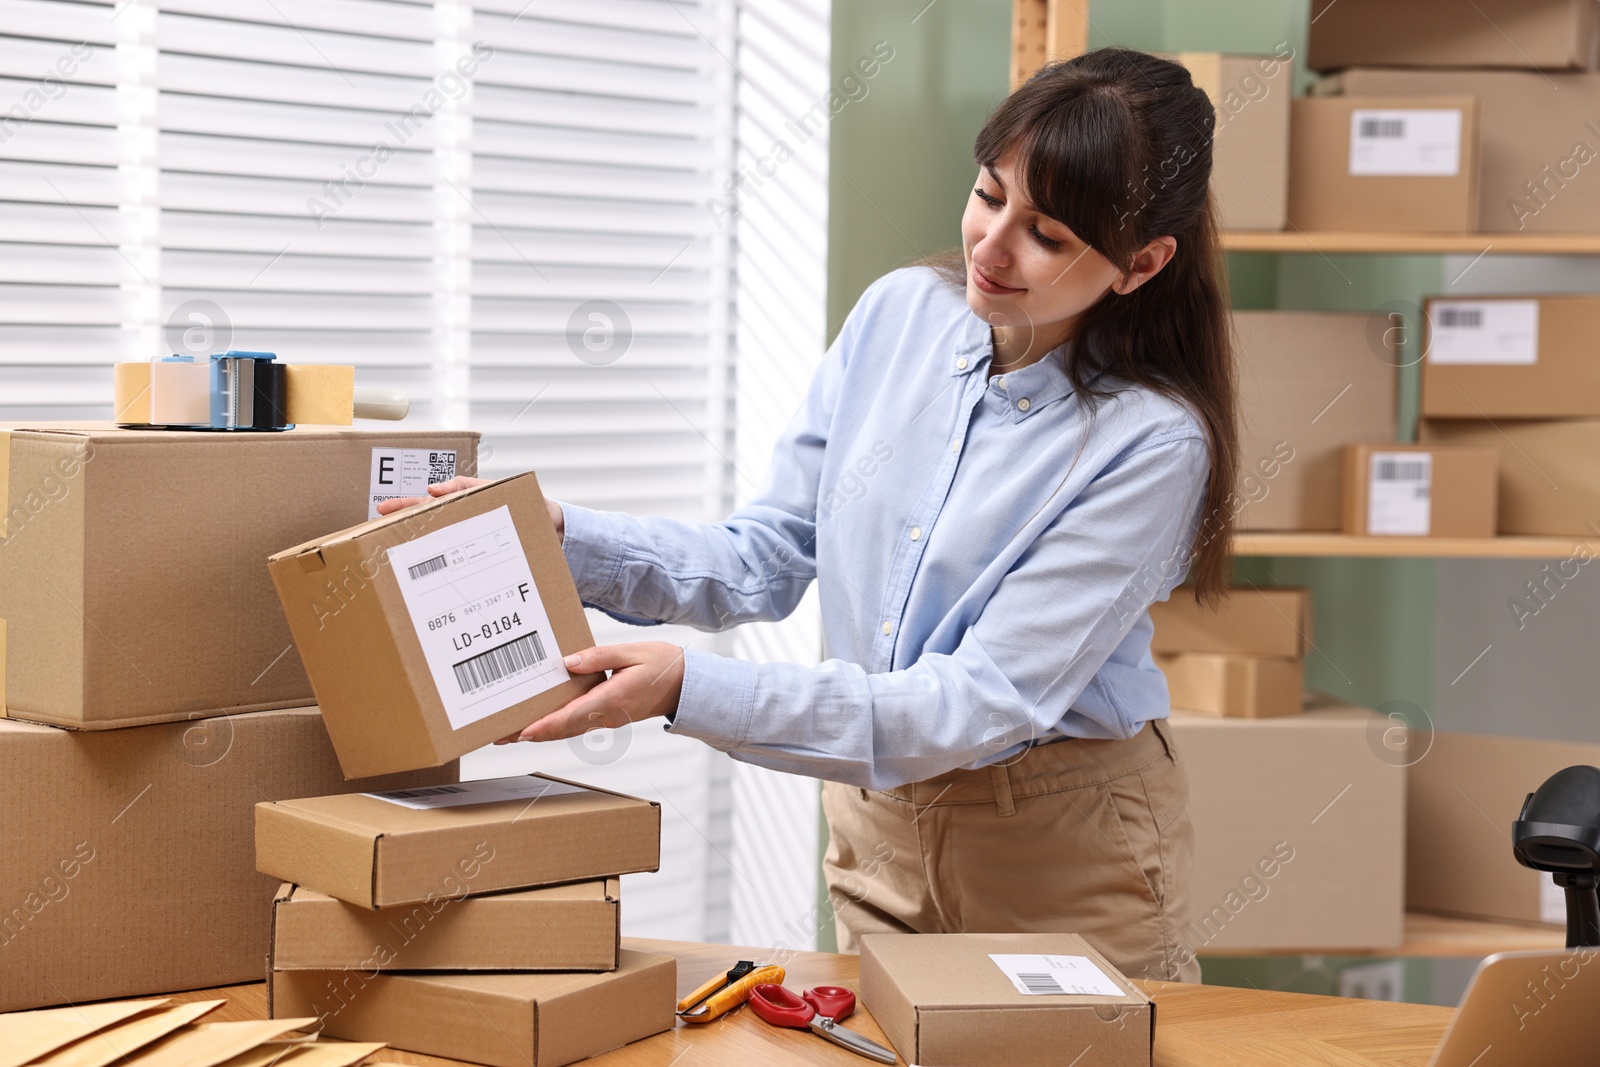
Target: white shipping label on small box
x=1503, y=332
x=400, y=472
x=484, y=791
x=1399, y=493
x=476, y=612
x=1043, y=975
x=1406, y=143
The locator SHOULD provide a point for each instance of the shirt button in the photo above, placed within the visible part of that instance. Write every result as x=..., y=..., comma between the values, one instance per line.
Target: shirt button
x=1023, y=403
x=961, y=364
x=1001, y=381
x=916, y=533
x=955, y=446
x=887, y=627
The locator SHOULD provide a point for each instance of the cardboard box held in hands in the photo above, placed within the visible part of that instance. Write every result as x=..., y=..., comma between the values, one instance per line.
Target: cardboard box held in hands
x=435, y=630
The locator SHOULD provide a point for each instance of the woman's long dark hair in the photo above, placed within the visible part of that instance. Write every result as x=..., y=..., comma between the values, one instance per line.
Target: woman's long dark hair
x=1116, y=145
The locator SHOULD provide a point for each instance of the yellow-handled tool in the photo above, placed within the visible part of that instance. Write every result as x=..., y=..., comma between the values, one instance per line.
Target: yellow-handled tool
x=727, y=991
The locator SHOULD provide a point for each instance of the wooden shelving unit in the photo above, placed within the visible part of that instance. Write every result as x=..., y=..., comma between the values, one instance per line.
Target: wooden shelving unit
x=1435, y=936
x=1471, y=244
x=1336, y=544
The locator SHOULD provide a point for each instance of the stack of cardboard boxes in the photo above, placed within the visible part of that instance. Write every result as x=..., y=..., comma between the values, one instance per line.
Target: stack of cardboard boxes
x=1245, y=660
x=153, y=695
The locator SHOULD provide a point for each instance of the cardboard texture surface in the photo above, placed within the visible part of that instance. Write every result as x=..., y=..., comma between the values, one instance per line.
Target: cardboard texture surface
x=1460, y=492
x=504, y=1020
x=368, y=666
x=106, y=1047
x=208, y=1044
x=1550, y=34
x=1309, y=383
x=1251, y=622
x=375, y=854
x=133, y=579
x=941, y=1000
x=560, y=928
x=29, y=1035
x=1299, y=831
x=1324, y=194
x=1250, y=156
x=1240, y=687
x=1549, y=482
x=1533, y=176
x=141, y=846
x=1461, y=802
x=1561, y=381
x=327, y=1054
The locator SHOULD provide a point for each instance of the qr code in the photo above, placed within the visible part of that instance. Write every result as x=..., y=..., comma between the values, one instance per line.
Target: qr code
x=441, y=467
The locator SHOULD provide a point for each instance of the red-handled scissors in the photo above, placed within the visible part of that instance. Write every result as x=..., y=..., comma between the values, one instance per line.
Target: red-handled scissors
x=818, y=1010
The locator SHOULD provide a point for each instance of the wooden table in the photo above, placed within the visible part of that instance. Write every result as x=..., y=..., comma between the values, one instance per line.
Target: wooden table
x=1196, y=1025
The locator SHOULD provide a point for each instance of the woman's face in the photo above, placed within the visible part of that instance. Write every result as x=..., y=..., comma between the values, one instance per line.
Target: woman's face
x=1024, y=268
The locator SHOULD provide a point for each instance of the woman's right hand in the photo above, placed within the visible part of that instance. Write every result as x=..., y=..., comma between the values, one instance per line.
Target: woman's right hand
x=456, y=485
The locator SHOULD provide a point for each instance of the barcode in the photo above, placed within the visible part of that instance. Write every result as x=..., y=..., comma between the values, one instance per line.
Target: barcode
x=414, y=794
x=441, y=467
x=1402, y=470
x=1040, y=983
x=1388, y=129
x=1461, y=318
x=426, y=567
x=511, y=657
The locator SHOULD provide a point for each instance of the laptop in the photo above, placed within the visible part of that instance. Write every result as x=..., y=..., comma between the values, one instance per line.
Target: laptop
x=1527, y=1009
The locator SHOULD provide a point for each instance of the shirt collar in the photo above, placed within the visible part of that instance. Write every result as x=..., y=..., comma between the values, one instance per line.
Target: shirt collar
x=1039, y=383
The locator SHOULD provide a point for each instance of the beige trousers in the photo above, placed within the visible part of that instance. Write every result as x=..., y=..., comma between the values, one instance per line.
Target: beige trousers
x=1078, y=836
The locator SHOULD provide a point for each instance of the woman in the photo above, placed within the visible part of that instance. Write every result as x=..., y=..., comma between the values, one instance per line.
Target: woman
x=1004, y=458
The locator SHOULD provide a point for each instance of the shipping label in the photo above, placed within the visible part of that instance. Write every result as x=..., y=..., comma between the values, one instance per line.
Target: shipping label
x=486, y=791
x=401, y=472
x=1488, y=332
x=1043, y=975
x=1399, y=497
x=1405, y=142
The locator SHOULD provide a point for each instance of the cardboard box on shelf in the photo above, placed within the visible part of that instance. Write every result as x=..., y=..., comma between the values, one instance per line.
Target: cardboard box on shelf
x=1384, y=164
x=1548, y=34
x=435, y=630
x=419, y=846
x=1539, y=134
x=1511, y=357
x=1420, y=490
x=946, y=998
x=133, y=574
x=558, y=928
x=1252, y=622
x=1548, y=481
x=505, y=1020
x=128, y=867
x=1240, y=687
x=1309, y=383
x=1250, y=152
x=1461, y=801
x=1299, y=831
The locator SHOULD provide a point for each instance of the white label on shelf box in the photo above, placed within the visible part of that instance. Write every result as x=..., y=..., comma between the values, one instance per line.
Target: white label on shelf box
x=1484, y=331
x=1399, y=493
x=398, y=472
x=1552, y=900
x=486, y=791
x=477, y=613
x=1039, y=975
x=1407, y=143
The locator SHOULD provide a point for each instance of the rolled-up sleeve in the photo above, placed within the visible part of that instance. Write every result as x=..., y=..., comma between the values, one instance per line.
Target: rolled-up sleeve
x=1045, y=631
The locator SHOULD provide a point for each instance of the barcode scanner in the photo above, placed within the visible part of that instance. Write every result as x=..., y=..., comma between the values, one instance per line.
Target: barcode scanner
x=1559, y=833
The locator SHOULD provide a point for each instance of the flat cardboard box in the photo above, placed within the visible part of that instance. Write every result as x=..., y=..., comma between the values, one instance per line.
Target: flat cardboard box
x=941, y=999
x=504, y=1020
x=1420, y=490
x=1299, y=831
x=1252, y=621
x=500, y=833
x=1461, y=802
x=1549, y=481
x=128, y=865
x=1345, y=174
x=557, y=928
x=1539, y=135
x=1309, y=383
x=1503, y=357
x=1239, y=687
x=435, y=630
x=133, y=574
x=1250, y=152
x=1547, y=34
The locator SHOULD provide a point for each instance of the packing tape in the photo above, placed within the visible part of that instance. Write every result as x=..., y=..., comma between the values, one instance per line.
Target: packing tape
x=320, y=394
x=130, y=394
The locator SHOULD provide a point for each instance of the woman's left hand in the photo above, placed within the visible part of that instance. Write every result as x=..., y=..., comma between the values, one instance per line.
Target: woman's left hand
x=646, y=679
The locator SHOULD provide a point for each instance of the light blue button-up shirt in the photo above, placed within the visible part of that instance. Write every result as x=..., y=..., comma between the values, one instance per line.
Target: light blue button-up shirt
x=985, y=549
